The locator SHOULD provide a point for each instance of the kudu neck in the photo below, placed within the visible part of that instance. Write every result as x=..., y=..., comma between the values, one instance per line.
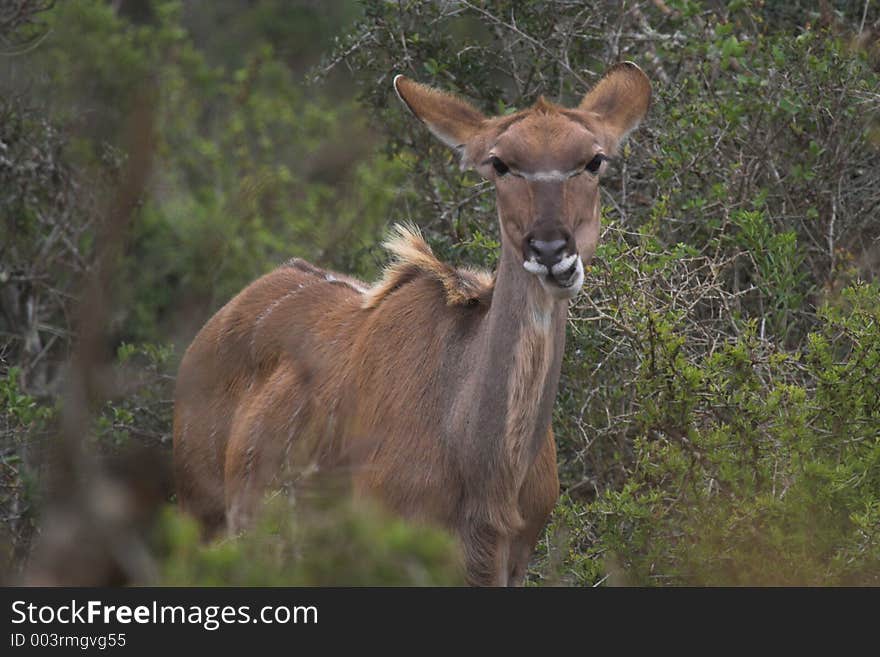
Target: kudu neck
x=524, y=321
x=520, y=300
x=505, y=406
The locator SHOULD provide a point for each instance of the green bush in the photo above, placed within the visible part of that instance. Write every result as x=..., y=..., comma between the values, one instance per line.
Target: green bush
x=750, y=465
x=328, y=544
x=24, y=423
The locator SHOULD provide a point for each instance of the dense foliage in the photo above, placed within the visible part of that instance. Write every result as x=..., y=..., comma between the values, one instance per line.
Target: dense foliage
x=719, y=416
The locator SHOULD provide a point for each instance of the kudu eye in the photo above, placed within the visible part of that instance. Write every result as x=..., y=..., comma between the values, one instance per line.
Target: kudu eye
x=499, y=166
x=595, y=164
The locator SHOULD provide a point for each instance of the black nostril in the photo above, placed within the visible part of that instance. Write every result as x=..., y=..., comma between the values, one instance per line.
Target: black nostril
x=547, y=253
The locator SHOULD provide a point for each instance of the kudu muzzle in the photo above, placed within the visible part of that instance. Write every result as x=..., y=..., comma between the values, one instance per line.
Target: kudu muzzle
x=551, y=255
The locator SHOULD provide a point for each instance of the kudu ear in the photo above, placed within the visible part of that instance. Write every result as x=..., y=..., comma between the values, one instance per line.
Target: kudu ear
x=452, y=120
x=620, y=99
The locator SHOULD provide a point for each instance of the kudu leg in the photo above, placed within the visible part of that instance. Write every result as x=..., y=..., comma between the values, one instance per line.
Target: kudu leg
x=536, y=500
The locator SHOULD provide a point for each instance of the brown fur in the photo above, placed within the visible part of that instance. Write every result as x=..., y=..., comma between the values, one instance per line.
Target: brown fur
x=430, y=391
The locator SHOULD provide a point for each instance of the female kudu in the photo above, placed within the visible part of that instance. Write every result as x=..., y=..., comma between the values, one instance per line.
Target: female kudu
x=433, y=388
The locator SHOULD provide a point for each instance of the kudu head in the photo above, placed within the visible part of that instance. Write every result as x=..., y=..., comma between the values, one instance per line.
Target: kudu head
x=545, y=162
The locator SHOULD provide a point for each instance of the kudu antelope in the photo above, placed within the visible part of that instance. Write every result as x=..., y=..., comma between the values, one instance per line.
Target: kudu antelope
x=432, y=388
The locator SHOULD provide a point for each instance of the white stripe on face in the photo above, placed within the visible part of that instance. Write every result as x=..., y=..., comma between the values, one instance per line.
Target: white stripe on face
x=553, y=175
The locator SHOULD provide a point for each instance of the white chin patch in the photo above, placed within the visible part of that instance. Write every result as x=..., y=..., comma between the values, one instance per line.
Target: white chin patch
x=573, y=285
x=564, y=265
x=534, y=267
x=565, y=289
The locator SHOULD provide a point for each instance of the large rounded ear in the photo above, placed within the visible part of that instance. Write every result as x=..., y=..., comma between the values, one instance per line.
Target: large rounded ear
x=452, y=120
x=620, y=99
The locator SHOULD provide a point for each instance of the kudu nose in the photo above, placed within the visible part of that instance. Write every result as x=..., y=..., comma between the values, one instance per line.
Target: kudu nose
x=548, y=253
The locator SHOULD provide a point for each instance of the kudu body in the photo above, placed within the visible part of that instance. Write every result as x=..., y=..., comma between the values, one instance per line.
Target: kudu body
x=432, y=389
